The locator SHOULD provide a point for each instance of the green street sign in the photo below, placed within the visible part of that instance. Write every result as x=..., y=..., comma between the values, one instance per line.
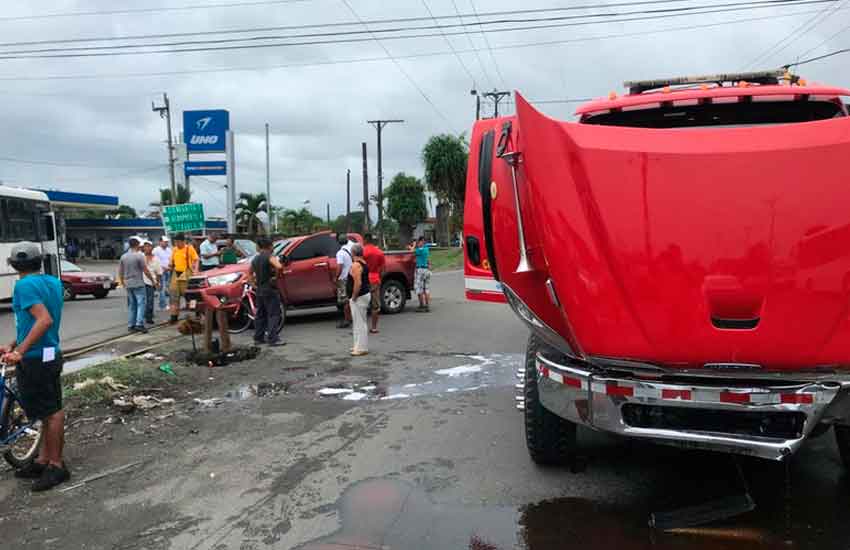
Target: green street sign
x=183, y=217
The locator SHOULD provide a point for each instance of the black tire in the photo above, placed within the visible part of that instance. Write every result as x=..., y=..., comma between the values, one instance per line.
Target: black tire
x=842, y=438
x=237, y=324
x=25, y=449
x=67, y=293
x=393, y=296
x=550, y=439
x=101, y=294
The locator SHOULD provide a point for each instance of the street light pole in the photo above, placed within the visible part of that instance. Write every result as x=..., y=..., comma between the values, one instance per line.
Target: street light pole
x=379, y=126
x=268, y=186
x=348, y=201
x=165, y=112
x=496, y=96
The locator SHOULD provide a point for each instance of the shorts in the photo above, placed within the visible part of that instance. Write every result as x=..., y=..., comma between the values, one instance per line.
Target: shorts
x=376, y=298
x=178, y=287
x=341, y=292
x=40, y=387
x=422, y=282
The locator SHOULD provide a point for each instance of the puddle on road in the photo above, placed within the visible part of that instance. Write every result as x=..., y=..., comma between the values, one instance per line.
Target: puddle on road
x=87, y=361
x=496, y=370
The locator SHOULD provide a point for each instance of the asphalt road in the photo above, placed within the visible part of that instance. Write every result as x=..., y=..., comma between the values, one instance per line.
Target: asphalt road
x=434, y=458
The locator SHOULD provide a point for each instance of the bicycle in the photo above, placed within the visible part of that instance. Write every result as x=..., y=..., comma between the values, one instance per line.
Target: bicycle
x=246, y=312
x=20, y=437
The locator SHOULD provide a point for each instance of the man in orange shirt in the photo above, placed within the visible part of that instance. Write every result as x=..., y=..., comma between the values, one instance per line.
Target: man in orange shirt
x=375, y=261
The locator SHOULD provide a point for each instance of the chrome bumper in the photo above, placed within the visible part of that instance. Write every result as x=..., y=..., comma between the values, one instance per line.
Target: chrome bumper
x=596, y=400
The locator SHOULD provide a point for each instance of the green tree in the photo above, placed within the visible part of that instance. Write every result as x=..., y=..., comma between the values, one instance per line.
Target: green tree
x=406, y=204
x=445, y=158
x=183, y=196
x=247, y=208
x=298, y=222
x=341, y=225
x=124, y=212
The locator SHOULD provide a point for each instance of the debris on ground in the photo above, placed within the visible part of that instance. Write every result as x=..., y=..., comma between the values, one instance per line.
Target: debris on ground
x=235, y=355
x=100, y=476
x=145, y=402
x=123, y=405
x=167, y=369
x=214, y=402
x=107, y=381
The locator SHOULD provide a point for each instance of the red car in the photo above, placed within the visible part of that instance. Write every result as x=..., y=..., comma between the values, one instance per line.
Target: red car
x=76, y=282
x=308, y=276
x=680, y=255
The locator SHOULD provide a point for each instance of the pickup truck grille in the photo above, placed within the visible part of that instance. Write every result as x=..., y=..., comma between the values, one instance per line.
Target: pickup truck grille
x=197, y=282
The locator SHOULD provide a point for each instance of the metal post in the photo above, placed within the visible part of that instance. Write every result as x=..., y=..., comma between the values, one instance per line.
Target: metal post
x=348, y=201
x=496, y=96
x=165, y=112
x=329, y=214
x=366, y=221
x=379, y=126
x=268, y=186
x=231, y=182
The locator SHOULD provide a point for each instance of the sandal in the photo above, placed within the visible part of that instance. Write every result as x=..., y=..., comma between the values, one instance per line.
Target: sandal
x=359, y=353
x=374, y=331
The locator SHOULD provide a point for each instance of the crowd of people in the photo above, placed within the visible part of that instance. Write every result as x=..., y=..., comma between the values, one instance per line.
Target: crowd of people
x=145, y=269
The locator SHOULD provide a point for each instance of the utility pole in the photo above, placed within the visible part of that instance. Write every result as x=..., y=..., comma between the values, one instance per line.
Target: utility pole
x=348, y=201
x=268, y=186
x=477, y=103
x=379, y=126
x=165, y=112
x=366, y=221
x=329, y=214
x=496, y=96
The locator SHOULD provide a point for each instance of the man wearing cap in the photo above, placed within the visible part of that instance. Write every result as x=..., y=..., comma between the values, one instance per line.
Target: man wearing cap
x=184, y=263
x=37, y=303
x=132, y=271
x=163, y=254
x=343, y=267
x=210, y=254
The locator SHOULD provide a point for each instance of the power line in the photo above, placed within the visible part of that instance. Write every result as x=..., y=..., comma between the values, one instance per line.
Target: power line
x=487, y=43
x=148, y=10
x=397, y=37
x=400, y=68
x=407, y=56
x=472, y=45
x=449, y=42
x=786, y=41
x=826, y=40
x=818, y=58
x=58, y=164
x=374, y=22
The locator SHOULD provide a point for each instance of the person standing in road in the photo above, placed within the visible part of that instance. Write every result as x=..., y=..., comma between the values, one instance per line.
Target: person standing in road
x=230, y=254
x=361, y=297
x=343, y=266
x=72, y=251
x=210, y=254
x=376, y=261
x=184, y=262
x=423, y=275
x=264, y=268
x=132, y=271
x=151, y=284
x=37, y=304
x=163, y=254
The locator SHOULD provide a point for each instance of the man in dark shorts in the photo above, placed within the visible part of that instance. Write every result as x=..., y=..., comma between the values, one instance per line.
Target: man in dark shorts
x=264, y=267
x=37, y=303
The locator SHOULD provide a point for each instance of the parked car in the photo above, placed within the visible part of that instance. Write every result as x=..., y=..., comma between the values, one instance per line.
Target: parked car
x=307, y=280
x=76, y=282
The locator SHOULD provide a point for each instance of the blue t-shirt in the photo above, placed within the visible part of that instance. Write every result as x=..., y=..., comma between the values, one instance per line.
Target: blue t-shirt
x=32, y=290
x=423, y=254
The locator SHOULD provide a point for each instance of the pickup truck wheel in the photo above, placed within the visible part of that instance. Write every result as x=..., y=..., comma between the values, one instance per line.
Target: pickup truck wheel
x=393, y=296
x=842, y=438
x=550, y=439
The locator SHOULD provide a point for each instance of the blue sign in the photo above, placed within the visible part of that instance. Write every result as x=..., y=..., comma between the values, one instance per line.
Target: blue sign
x=204, y=131
x=205, y=168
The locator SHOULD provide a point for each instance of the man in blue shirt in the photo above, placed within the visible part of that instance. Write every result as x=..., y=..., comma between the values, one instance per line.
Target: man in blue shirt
x=37, y=303
x=422, y=283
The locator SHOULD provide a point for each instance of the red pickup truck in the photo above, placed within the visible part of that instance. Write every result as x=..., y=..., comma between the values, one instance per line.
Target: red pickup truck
x=307, y=280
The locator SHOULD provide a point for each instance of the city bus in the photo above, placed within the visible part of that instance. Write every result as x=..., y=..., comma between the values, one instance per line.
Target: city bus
x=25, y=215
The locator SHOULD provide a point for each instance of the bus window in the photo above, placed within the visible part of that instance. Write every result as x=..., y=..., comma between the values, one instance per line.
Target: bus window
x=20, y=221
x=46, y=231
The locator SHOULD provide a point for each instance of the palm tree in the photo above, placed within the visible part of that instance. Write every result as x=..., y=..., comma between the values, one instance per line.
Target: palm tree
x=183, y=196
x=249, y=205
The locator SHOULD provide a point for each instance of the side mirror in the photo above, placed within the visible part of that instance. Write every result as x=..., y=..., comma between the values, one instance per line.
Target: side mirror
x=284, y=259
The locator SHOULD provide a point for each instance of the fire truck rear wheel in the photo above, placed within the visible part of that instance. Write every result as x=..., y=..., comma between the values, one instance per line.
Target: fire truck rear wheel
x=550, y=439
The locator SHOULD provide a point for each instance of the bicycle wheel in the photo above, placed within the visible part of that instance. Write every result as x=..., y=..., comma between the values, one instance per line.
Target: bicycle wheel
x=13, y=420
x=242, y=319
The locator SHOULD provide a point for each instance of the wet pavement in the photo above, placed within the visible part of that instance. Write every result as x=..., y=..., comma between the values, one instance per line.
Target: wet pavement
x=417, y=445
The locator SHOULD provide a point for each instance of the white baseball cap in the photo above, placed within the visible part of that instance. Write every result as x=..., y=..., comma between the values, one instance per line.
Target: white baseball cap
x=164, y=238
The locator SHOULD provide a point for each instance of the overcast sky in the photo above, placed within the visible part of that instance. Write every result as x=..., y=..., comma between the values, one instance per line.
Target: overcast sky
x=85, y=124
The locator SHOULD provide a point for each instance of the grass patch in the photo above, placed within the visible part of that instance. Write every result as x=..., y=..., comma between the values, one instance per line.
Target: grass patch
x=137, y=374
x=447, y=259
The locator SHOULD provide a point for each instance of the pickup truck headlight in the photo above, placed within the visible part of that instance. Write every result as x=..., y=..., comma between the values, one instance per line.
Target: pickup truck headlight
x=226, y=279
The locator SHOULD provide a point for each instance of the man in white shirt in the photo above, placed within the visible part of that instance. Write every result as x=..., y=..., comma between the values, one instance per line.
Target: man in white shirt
x=343, y=267
x=210, y=255
x=163, y=254
x=152, y=281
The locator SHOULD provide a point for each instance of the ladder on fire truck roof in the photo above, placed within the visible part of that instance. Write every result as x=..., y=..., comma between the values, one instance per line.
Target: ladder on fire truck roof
x=758, y=77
